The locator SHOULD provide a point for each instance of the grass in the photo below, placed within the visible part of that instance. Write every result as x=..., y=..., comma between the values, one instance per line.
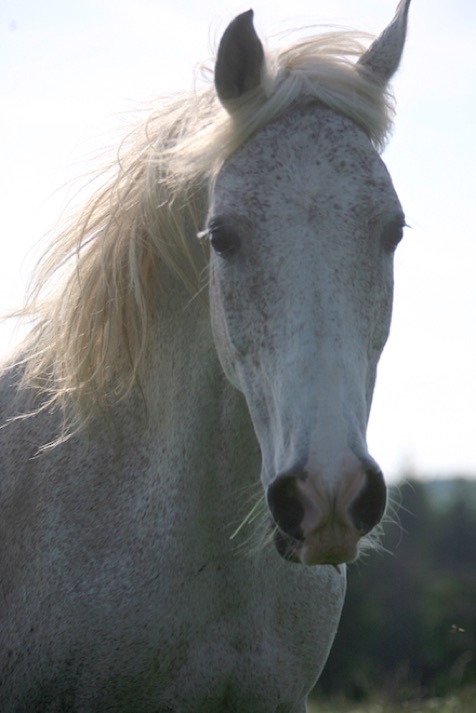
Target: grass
x=461, y=702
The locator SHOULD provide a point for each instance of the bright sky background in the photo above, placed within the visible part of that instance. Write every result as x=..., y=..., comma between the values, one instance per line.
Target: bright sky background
x=68, y=70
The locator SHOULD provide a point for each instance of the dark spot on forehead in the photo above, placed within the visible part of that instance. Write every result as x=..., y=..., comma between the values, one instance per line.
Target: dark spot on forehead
x=332, y=138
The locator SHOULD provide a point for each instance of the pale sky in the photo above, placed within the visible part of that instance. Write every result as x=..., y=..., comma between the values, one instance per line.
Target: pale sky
x=69, y=71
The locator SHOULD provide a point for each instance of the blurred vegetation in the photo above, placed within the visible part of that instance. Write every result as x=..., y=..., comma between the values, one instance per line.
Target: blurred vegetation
x=461, y=702
x=409, y=622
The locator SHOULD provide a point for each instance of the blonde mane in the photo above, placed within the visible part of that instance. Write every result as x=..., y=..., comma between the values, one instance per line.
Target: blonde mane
x=92, y=300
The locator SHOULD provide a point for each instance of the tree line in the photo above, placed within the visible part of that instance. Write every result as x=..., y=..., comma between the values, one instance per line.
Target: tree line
x=409, y=621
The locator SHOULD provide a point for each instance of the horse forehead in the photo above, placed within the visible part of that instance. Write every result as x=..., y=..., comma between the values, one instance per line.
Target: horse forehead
x=300, y=152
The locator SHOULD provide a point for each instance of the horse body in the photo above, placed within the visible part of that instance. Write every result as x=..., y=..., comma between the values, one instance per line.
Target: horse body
x=130, y=594
x=128, y=582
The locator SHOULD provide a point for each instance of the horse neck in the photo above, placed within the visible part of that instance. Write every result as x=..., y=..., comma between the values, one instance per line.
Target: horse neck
x=205, y=444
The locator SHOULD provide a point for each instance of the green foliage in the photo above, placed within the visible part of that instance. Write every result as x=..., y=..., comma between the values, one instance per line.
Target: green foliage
x=461, y=702
x=409, y=623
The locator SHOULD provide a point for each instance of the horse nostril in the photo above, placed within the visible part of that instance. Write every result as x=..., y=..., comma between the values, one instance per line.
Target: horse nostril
x=369, y=506
x=285, y=505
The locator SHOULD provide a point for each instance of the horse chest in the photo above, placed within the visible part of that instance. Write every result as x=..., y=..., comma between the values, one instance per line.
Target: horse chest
x=229, y=638
x=146, y=617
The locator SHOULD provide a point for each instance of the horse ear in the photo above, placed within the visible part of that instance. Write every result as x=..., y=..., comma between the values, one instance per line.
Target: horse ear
x=240, y=59
x=383, y=56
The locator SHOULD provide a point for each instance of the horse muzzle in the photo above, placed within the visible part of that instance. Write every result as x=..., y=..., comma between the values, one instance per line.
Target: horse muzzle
x=321, y=520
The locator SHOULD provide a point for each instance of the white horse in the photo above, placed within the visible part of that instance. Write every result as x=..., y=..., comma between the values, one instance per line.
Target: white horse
x=140, y=412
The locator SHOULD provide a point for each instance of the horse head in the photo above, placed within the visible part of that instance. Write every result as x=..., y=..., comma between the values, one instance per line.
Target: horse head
x=303, y=224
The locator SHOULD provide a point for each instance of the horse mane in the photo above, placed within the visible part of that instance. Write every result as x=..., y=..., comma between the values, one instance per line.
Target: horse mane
x=93, y=295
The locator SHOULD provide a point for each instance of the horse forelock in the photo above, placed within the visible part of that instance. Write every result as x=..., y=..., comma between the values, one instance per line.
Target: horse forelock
x=90, y=332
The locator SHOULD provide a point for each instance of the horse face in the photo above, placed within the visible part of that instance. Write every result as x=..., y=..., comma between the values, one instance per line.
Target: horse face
x=303, y=224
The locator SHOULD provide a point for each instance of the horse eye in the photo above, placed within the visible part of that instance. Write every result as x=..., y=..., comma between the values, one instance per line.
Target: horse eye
x=392, y=235
x=224, y=241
